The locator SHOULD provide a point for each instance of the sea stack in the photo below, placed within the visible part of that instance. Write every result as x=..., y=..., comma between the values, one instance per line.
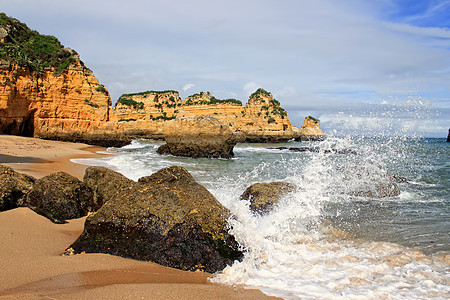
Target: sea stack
x=448, y=136
x=198, y=137
x=310, y=130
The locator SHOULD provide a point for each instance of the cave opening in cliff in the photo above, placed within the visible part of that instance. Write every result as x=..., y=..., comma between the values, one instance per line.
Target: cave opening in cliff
x=28, y=125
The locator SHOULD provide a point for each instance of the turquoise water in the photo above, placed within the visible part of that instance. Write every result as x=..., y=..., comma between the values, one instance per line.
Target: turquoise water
x=321, y=242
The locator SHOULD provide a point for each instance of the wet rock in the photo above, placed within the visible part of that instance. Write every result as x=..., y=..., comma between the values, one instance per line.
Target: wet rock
x=61, y=196
x=263, y=196
x=105, y=184
x=198, y=137
x=316, y=150
x=167, y=218
x=448, y=136
x=14, y=187
x=365, y=179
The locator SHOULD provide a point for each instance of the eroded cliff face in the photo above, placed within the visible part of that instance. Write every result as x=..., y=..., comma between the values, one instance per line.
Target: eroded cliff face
x=261, y=120
x=70, y=106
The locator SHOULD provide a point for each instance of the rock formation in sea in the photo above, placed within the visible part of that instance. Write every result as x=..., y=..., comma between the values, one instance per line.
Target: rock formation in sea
x=310, y=130
x=198, y=137
x=167, y=218
x=364, y=179
x=261, y=120
x=263, y=196
x=448, y=136
x=14, y=187
x=46, y=91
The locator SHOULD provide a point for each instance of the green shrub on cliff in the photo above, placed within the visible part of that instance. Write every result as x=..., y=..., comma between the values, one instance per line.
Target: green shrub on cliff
x=30, y=49
x=130, y=102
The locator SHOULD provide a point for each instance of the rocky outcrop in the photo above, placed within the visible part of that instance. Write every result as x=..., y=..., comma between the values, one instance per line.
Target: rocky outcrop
x=261, y=120
x=61, y=196
x=263, y=196
x=317, y=150
x=167, y=218
x=448, y=137
x=14, y=187
x=365, y=179
x=310, y=130
x=52, y=95
x=198, y=137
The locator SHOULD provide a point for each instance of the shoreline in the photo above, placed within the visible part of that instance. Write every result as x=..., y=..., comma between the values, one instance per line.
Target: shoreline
x=38, y=158
x=31, y=246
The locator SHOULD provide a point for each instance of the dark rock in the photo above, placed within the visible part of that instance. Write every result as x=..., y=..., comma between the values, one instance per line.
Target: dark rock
x=198, y=137
x=105, y=184
x=263, y=196
x=60, y=196
x=365, y=179
x=310, y=138
x=13, y=188
x=167, y=218
x=448, y=136
x=399, y=179
x=317, y=150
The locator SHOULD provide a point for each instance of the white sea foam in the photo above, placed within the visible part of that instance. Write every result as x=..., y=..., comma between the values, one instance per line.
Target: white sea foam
x=294, y=252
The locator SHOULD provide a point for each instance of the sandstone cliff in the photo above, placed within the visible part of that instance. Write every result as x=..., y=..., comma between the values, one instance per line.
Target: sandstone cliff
x=261, y=120
x=47, y=92
x=310, y=130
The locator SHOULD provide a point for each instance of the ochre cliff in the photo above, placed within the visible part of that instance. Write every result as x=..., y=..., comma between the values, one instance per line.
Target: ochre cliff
x=70, y=106
x=310, y=130
x=261, y=120
x=47, y=92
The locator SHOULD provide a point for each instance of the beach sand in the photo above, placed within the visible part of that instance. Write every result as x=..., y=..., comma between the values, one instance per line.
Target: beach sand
x=31, y=247
x=39, y=158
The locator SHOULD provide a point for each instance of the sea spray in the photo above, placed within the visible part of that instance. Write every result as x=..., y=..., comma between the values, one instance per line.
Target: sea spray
x=293, y=252
x=320, y=242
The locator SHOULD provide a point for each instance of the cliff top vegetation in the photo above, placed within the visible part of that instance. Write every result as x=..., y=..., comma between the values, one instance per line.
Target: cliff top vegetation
x=27, y=48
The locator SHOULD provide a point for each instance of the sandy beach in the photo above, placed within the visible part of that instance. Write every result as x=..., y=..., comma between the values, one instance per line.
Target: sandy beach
x=31, y=247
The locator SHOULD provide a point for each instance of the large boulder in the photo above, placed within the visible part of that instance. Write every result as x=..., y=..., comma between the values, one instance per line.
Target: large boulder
x=14, y=187
x=61, y=196
x=365, y=179
x=198, y=137
x=105, y=183
x=167, y=218
x=263, y=196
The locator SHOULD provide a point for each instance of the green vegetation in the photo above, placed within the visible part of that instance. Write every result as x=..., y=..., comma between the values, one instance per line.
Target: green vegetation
x=214, y=100
x=250, y=124
x=196, y=99
x=271, y=120
x=101, y=88
x=130, y=102
x=259, y=92
x=30, y=49
x=313, y=119
x=149, y=92
x=90, y=103
x=127, y=120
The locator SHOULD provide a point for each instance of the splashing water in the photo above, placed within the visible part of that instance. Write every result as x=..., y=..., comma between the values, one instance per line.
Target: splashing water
x=325, y=240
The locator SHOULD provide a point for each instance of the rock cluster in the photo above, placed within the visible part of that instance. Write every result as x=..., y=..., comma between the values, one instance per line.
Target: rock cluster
x=14, y=188
x=198, y=137
x=61, y=196
x=167, y=218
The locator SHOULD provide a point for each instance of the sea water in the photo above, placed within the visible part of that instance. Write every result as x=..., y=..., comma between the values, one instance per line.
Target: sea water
x=322, y=241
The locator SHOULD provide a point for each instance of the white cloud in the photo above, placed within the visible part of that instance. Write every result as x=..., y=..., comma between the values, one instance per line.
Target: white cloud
x=318, y=55
x=250, y=87
x=188, y=87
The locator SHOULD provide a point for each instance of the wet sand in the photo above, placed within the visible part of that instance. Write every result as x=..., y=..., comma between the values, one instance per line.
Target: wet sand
x=31, y=247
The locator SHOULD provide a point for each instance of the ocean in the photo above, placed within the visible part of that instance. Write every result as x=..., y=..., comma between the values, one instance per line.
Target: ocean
x=324, y=241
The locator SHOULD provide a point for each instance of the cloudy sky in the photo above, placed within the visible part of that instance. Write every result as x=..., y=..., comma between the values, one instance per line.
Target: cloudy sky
x=366, y=67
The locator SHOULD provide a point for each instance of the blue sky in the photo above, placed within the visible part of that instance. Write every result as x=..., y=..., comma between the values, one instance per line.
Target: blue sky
x=370, y=67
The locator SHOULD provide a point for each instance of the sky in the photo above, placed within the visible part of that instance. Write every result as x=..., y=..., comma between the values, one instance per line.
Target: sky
x=361, y=67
